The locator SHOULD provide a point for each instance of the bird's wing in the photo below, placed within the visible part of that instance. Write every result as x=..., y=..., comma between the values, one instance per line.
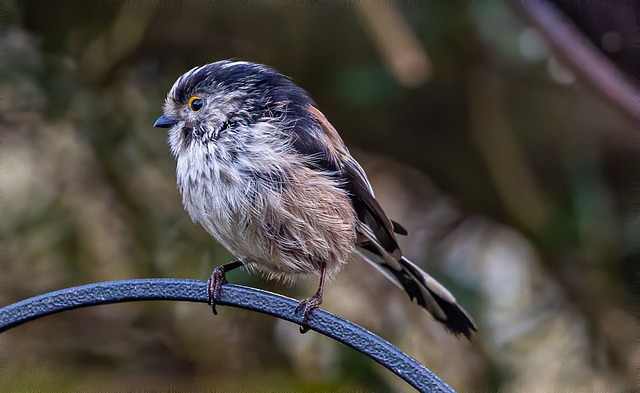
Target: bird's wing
x=326, y=150
x=376, y=230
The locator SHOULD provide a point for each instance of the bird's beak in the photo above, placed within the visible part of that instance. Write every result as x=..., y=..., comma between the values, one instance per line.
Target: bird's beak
x=165, y=122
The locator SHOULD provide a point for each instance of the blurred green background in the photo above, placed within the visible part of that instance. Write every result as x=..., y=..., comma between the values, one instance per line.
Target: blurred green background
x=518, y=184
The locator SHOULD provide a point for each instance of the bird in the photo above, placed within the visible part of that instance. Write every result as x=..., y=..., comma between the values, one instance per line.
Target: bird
x=263, y=171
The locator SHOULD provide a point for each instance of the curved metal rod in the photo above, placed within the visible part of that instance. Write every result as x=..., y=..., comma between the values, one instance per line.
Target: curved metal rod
x=232, y=295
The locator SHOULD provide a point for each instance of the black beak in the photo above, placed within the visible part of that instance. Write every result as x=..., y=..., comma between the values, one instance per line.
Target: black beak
x=165, y=122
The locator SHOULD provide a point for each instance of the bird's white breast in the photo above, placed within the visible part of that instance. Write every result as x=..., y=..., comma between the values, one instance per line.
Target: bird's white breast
x=266, y=206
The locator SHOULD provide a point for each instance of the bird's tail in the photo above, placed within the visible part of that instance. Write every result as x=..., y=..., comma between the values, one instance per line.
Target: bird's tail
x=428, y=293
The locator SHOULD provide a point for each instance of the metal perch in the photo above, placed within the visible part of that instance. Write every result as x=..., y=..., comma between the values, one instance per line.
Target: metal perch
x=322, y=322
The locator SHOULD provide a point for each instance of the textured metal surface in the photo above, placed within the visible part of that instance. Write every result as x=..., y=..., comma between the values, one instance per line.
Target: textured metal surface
x=322, y=322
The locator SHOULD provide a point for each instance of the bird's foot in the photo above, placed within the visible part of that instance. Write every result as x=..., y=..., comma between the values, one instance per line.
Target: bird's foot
x=306, y=306
x=217, y=279
x=214, y=287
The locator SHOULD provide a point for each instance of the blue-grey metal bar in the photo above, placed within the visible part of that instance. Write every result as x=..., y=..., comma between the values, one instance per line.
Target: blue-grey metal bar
x=232, y=295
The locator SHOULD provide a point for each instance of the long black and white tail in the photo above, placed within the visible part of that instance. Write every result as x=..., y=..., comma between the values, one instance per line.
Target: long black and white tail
x=427, y=292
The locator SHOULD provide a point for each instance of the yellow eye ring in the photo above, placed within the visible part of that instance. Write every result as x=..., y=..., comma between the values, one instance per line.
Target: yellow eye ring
x=196, y=103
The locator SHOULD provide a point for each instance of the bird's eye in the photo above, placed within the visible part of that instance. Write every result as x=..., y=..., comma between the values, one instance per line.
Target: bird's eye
x=195, y=103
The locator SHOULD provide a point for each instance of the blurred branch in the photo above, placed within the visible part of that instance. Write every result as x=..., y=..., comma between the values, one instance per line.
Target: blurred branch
x=570, y=45
x=278, y=306
x=126, y=34
x=503, y=154
x=401, y=50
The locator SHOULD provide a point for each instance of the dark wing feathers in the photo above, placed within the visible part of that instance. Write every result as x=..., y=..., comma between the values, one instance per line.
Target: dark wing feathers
x=328, y=143
x=328, y=153
x=399, y=229
x=369, y=210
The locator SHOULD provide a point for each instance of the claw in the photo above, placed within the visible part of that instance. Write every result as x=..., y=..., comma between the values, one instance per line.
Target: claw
x=310, y=304
x=306, y=306
x=214, y=287
x=217, y=279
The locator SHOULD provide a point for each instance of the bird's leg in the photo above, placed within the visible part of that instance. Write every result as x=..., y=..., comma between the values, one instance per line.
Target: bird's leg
x=310, y=304
x=214, y=285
